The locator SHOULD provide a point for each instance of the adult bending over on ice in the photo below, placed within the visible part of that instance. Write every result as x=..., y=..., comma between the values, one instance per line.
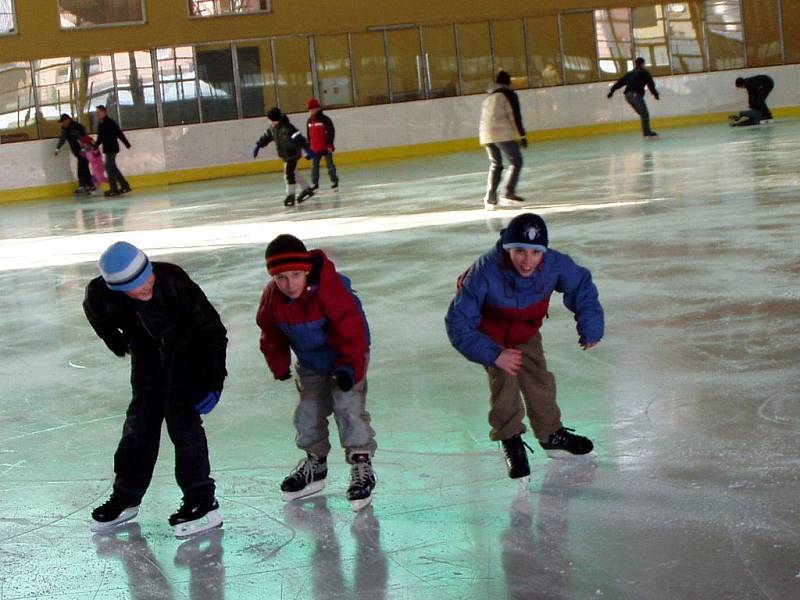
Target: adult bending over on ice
x=758, y=88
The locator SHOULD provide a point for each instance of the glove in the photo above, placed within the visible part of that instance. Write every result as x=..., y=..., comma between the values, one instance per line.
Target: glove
x=255, y=150
x=343, y=380
x=610, y=94
x=331, y=148
x=286, y=377
x=56, y=151
x=207, y=404
x=309, y=154
x=658, y=97
x=524, y=142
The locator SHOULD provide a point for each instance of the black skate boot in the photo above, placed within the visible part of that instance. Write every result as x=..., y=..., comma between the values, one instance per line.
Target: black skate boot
x=335, y=185
x=117, y=509
x=564, y=442
x=517, y=458
x=195, y=516
x=289, y=200
x=307, y=478
x=362, y=482
x=305, y=194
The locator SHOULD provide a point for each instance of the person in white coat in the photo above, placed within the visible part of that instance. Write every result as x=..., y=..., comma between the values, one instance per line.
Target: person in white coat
x=502, y=133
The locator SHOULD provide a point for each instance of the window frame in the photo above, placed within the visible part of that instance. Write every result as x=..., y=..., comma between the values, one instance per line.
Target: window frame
x=104, y=25
x=14, y=29
x=194, y=17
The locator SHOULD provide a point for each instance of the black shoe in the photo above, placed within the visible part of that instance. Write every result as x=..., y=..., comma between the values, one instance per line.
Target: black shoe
x=307, y=478
x=490, y=202
x=117, y=509
x=362, y=482
x=516, y=457
x=125, y=189
x=79, y=190
x=110, y=193
x=564, y=441
x=335, y=185
x=651, y=135
x=195, y=516
x=289, y=200
x=315, y=187
x=306, y=193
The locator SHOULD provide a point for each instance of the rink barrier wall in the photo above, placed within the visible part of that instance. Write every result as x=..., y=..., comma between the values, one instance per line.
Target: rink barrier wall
x=223, y=149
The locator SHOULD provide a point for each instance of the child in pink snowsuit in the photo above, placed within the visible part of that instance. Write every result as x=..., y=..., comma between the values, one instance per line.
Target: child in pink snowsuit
x=95, y=158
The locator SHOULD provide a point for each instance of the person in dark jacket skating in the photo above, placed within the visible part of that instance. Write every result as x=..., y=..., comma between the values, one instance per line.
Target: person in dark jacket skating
x=177, y=343
x=290, y=145
x=758, y=88
x=108, y=132
x=71, y=133
x=321, y=134
x=635, y=81
x=494, y=320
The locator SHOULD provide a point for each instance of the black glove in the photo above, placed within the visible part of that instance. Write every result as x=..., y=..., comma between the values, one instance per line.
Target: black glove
x=657, y=96
x=286, y=377
x=343, y=380
x=609, y=94
x=523, y=142
x=118, y=346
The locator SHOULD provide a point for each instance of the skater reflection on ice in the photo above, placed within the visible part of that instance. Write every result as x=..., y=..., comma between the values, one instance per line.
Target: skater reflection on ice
x=146, y=577
x=202, y=555
x=536, y=561
x=370, y=570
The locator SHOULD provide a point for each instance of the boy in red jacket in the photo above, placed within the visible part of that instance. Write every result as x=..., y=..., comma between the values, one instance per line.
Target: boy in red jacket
x=320, y=132
x=310, y=308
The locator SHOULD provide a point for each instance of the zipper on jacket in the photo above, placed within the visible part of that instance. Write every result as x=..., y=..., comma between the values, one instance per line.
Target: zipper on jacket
x=160, y=341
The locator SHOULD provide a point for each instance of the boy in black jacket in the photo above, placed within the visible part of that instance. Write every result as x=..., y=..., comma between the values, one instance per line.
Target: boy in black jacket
x=635, y=81
x=177, y=343
x=290, y=144
x=108, y=132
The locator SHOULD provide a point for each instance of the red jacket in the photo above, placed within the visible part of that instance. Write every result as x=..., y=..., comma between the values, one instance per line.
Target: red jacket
x=320, y=132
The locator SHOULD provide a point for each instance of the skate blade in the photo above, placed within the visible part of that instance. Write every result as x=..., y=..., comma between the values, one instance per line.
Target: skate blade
x=489, y=206
x=503, y=203
x=523, y=482
x=310, y=489
x=125, y=515
x=357, y=505
x=563, y=454
x=210, y=521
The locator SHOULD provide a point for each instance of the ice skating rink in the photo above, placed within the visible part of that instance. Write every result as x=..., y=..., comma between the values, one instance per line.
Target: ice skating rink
x=692, y=398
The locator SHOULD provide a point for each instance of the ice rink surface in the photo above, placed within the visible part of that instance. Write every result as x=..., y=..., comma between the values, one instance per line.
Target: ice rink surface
x=692, y=398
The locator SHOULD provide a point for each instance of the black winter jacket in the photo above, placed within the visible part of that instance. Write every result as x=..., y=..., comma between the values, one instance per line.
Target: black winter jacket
x=289, y=142
x=178, y=325
x=107, y=134
x=72, y=135
x=635, y=81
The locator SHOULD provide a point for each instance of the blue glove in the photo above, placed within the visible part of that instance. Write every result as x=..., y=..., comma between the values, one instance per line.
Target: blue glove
x=343, y=379
x=255, y=150
x=207, y=404
x=309, y=155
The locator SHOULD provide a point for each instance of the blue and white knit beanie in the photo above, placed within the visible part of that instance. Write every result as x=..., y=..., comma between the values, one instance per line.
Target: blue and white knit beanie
x=124, y=267
x=525, y=231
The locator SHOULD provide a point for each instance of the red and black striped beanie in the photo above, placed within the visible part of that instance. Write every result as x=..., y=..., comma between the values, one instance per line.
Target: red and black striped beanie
x=287, y=253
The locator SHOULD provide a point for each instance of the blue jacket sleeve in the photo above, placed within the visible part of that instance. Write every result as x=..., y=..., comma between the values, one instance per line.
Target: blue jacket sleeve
x=580, y=297
x=464, y=317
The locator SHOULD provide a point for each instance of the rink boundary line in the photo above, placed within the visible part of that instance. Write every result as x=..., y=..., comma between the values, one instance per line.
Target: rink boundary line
x=51, y=251
x=355, y=157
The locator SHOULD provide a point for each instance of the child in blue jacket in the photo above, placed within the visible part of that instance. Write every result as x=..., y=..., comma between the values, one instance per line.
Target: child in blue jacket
x=494, y=320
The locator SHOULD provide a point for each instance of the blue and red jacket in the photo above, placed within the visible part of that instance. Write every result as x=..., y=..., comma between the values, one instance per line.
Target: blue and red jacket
x=326, y=326
x=496, y=308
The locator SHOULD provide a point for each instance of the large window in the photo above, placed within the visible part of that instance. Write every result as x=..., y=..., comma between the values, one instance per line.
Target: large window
x=213, y=8
x=580, y=52
x=54, y=93
x=441, y=64
x=17, y=112
x=136, y=93
x=256, y=77
x=725, y=39
x=544, y=51
x=650, y=38
x=215, y=81
x=93, y=78
x=762, y=32
x=7, y=20
x=293, y=66
x=475, y=56
x=334, y=76
x=614, y=42
x=405, y=64
x=686, y=37
x=91, y=13
x=178, y=85
x=509, y=51
x=369, y=64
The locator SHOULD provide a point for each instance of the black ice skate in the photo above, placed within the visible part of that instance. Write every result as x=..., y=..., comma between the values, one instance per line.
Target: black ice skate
x=195, y=516
x=490, y=202
x=289, y=200
x=117, y=509
x=307, y=478
x=335, y=185
x=305, y=194
x=564, y=443
x=517, y=459
x=362, y=482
